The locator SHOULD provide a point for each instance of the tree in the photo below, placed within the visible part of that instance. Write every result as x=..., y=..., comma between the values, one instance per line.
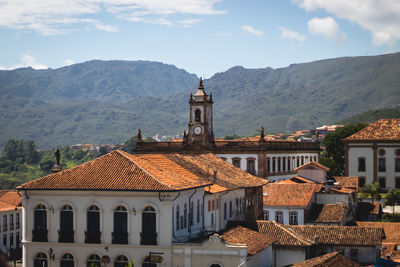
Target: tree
x=334, y=147
x=130, y=145
x=10, y=150
x=334, y=168
x=372, y=190
x=30, y=153
x=393, y=198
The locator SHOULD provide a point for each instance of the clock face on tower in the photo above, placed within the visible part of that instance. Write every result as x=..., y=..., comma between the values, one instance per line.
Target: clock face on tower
x=197, y=130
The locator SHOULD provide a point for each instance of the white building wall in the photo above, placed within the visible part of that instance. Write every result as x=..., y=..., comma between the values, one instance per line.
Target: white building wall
x=285, y=211
x=10, y=231
x=285, y=256
x=361, y=152
x=243, y=161
x=327, y=198
x=261, y=258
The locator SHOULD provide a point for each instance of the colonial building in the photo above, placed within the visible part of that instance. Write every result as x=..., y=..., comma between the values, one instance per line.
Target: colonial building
x=143, y=208
x=274, y=160
x=373, y=154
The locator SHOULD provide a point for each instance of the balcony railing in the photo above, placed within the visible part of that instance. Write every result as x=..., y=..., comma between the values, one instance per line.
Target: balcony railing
x=119, y=238
x=66, y=236
x=39, y=235
x=93, y=237
x=148, y=239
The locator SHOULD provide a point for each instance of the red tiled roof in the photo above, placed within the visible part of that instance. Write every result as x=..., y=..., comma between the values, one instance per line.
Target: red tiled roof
x=9, y=200
x=254, y=240
x=119, y=170
x=392, y=230
x=326, y=213
x=334, y=259
x=312, y=163
x=277, y=194
x=348, y=181
x=340, y=235
x=383, y=129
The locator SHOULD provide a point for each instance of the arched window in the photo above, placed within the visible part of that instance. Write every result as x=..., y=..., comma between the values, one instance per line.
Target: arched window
x=40, y=260
x=191, y=213
x=39, y=232
x=93, y=261
x=315, y=158
x=93, y=234
x=215, y=265
x=298, y=161
x=279, y=164
x=284, y=164
x=67, y=260
x=177, y=217
x=236, y=162
x=198, y=211
x=197, y=115
x=149, y=229
x=185, y=216
x=147, y=262
x=273, y=165
x=66, y=233
x=288, y=163
x=121, y=261
x=120, y=234
x=302, y=160
x=268, y=165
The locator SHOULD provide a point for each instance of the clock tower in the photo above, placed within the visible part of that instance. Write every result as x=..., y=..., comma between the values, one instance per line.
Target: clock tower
x=200, y=120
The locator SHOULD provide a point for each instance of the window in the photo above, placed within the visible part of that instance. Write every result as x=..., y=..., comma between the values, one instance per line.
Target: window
x=225, y=210
x=66, y=233
x=288, y=163
x=298, y=161
x=93, y=261
x=230, y=209
x=397, y=182
x=273, y=165
x=236, y=162
x=251, y=166
x=4, y=223
x=354, y=254
x=279, y=216
x=11, y=240
x=41, y=260
x=302, y=160
x=209, y=205
x=382, y=164
x=17, y=222
x=397, y=165
x=197, y=115
x=212, y=219
x=67, y=260
x=11, y=221
x=382, y=182
x=40, y=224
x=381, y=152
x=315, y=158
x=147, y=262
x=93, y=234
x=120, y=233
x=397, y=152
x=213, y=204
x=284, y=164
x=5, y=240
x=185, y=216
x=17, y=240
x=293, y=218
x=198, y=211
x=191, y=213
x=268, y=165
x=361, y=164
x=266, y=215
x=177, y=217
x=237, y=206
x=279, y=164
x=121, y=261
x=361, y=181
x=149, y=229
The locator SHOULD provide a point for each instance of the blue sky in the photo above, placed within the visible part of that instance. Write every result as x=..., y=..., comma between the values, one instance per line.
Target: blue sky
x=201, y=36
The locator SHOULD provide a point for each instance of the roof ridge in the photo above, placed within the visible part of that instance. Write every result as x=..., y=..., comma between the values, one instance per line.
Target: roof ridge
x=122, y=153
x=295, y=234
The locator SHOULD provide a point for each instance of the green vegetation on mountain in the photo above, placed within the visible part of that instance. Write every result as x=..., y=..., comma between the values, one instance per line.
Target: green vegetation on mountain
x=373, y=115
x=107, y=101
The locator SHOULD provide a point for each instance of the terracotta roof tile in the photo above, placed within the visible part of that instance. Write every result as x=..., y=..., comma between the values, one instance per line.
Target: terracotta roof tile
x=348, y=182
x=392, y=230
x=254, y=240
x=277, y=194
x=334, y=259
x=326, y=213
x=9, y=200
x=119, y=170
x=383, y=129
x=340, y=235
x=312, y=163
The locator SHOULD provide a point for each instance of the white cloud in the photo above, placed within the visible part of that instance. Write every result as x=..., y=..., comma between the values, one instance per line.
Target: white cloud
x=328, y=28
x=380, y=17
x=251, y=30
x=50, y=17
x=187, y=23
x=26, y=61
x=290, y=34
x=68, y=62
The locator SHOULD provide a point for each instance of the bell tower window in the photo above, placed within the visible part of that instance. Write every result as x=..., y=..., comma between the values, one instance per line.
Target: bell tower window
x=197, y=115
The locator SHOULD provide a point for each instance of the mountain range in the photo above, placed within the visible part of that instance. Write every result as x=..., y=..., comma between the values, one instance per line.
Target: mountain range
x=107, y=101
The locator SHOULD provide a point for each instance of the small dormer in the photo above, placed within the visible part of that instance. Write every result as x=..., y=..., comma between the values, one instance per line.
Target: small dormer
x=313, y=171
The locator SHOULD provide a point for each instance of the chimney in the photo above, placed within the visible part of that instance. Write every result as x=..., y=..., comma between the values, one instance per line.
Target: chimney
x=215, y=177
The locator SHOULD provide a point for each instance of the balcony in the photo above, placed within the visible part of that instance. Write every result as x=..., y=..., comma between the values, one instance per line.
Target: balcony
x=119, y=238
x=93, y=237
x=148, y=239
x=39, y=235
x=66, y=236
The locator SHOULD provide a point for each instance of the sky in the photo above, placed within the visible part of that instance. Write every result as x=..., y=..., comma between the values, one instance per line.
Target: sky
x=201, y=36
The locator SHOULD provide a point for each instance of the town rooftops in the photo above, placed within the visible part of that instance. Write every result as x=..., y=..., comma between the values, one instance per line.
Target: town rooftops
x=350, y=182
x=381, y=130
x=312, y=164
x=392, y=230
x=326, y=213
x=288, y=194
x=254, y=240
x=9, y=200
x=334, y=259
x=119, y=170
